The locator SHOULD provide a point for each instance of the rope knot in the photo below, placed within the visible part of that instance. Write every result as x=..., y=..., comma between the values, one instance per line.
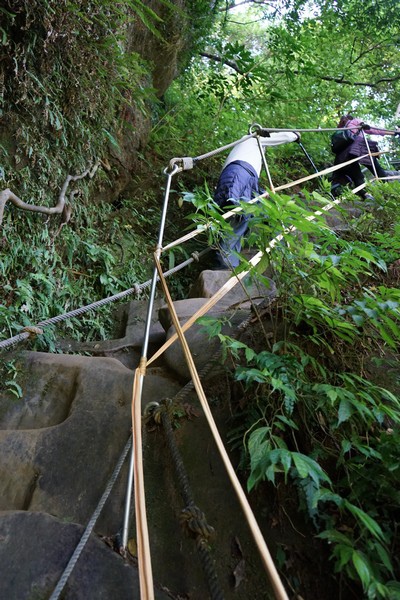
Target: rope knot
x=169, y=407
x=33, y=331
x=195, y=256
x=195, y=524
x=137, y=289
x=153, y=412
x=142, y=366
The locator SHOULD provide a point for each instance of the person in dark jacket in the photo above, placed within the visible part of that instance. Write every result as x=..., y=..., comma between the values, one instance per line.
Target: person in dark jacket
x=239, y=180
x=358, y=147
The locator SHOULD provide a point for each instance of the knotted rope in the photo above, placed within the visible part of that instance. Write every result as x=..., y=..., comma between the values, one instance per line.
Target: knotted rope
x=192, y=518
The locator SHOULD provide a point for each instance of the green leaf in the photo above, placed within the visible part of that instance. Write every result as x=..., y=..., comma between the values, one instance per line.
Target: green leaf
x=394, y=590
x=256, y=439
x=343, y=553
x=270, y=473
x=366, y=520
x=362, y=568
x=287, y=421
x=284, y=457
x=252, y=481
x=14, y=388
x=335, y=536
x=345, y=411
x=346, y=446
x=111, y=138
x=384, y=556
x=301, y=465
x=307, y=467
x=250, y=354
x=358, y=320
x=325, y=495
x=262, y=266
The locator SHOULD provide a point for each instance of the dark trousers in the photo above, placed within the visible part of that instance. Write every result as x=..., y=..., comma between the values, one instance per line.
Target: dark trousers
x=230, y=246
x=238, y=181
x=353, y=174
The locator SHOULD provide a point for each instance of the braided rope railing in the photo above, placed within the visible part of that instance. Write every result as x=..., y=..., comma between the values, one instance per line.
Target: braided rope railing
x=30, y=331
x=89, y=528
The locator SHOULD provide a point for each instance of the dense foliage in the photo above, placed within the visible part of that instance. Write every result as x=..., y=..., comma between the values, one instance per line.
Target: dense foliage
x=73, y=91
x=319, y=409
x=67, y=77
x=302, y=64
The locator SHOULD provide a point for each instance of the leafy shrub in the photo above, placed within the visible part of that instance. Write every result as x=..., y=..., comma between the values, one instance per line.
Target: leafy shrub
x=313, y=416
x=52, y=275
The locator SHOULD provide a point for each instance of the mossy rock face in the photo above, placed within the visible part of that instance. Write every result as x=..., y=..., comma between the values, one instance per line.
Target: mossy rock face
x=80, y=85
x=162, y=52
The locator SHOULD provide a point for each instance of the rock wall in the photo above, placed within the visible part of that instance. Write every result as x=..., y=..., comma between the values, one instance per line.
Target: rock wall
x=162, y=54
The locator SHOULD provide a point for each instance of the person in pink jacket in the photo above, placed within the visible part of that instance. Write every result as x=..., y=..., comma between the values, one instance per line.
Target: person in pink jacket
x=358, y=147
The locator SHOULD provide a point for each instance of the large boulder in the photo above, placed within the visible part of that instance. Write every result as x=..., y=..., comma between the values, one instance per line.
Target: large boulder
x=60, y=442
x=231, y=310
x=246, y=291
x=35, y=549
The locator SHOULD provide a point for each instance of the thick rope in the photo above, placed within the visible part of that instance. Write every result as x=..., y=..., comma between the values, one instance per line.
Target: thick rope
x=275, y=580
x=31, y=331
x=142, y=534
x=89, y=528
x=192, y=517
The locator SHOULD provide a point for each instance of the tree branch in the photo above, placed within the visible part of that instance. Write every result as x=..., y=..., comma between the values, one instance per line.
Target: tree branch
x=362, y=53
x=230, y=5
x=343, y=81
x=228, y=63
x=8, y=196
x=372, y=84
